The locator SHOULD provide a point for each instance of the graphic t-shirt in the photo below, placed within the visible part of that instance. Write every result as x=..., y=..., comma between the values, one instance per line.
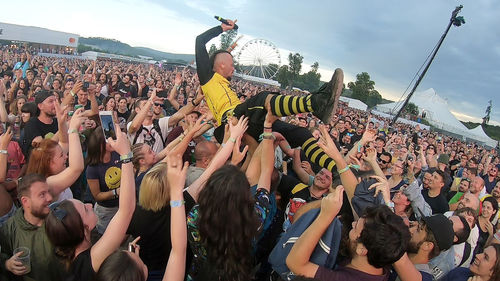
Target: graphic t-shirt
x=150, y=135
x=109, y=176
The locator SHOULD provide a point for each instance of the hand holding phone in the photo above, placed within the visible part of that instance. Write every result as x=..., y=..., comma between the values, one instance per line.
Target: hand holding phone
x=107, y=124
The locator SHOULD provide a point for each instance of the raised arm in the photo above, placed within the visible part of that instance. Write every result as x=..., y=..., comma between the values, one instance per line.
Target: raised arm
x=115, y=233
x=172, y=96
x=203, y=68
x=267, y=159
x=184, y=111
x=371, y=158
x=298, y=258
x=139, y=118
x=347, y=178
x=220, y=158
x=58, y=183
x=297, y=167
x=4, y=143
x=176, y=177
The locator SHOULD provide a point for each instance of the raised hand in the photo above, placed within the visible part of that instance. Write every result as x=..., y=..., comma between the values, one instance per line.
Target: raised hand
x=371, y=155
x=238, y=129
x=5, y=139
x=326, y=143
x=61, y=113
x=77, y=119
x=369, y=136
x=77, y=87
x=331, y=204
x=382, y=185
x=237, y=154
x=226, y=27
x=178, y=79
x=121, y=145
x=176, y=173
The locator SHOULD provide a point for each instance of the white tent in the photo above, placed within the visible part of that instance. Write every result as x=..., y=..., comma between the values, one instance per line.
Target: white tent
x=478, y=131
x=438, y=114
x=354, y=103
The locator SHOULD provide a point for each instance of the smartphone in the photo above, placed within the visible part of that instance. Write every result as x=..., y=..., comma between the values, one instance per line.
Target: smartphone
x=107, y=124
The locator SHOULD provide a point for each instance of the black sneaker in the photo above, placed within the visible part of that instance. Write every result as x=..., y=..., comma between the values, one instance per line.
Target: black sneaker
x=325, y=100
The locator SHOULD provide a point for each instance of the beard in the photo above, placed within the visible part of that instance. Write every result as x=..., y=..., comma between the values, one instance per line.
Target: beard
x=40, y=212
x=413, y=247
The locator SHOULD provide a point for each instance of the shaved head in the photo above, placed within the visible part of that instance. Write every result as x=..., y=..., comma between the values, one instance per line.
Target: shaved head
x=223, y=64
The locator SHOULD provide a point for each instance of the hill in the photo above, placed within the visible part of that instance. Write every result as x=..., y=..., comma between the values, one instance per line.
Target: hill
x=492, y=131
x=116, y=47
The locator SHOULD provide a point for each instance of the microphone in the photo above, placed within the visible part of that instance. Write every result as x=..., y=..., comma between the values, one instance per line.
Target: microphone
x=224, y=21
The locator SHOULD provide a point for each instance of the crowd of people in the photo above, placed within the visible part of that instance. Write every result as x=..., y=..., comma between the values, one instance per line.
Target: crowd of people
x=213, y=178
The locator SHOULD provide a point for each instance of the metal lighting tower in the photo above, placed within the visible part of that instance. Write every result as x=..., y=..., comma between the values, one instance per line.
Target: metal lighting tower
x=457, y=21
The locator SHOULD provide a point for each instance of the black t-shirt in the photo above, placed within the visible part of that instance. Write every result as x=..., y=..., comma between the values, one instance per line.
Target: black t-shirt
x=154, y=229
x=127, y=91
x=438, y=204
x=81, y=268
x=35, y=128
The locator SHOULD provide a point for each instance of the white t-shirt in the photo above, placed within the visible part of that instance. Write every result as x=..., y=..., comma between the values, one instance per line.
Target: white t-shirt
x=150, y=136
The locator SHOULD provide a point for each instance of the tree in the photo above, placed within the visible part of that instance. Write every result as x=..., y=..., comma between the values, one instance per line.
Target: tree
x=411, y=108
x=295, y=64
x=364, y=90
x=227, y=39
x=284, y=77
x=212, y=50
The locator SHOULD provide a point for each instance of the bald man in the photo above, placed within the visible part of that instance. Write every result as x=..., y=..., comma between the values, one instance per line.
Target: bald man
x=203, y=154
x=216, y=72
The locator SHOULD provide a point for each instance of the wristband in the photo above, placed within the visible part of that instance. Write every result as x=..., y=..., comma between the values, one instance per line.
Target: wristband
x=115, y=195
x=343, y=170
x=270, y=128
x=176, y=203
x=267, y=136
x=194, y=104
x=127, y=158
x=390, y=204
x=233, y=140
x=72, y=93
x=71, y=131
x=359, y=147
x=3, y=151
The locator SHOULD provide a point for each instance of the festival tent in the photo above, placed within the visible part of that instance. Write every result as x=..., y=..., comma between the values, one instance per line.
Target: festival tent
x=478, y=131
x=438, y=114
x=354, y=103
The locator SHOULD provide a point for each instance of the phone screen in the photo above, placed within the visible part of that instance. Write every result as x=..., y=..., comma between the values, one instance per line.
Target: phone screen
x=108, y=126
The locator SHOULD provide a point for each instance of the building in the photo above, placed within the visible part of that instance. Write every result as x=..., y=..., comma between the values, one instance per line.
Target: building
x=41, y=39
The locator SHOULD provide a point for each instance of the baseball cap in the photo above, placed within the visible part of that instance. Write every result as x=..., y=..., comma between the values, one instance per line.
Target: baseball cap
x=42, y=95
x=444, y=159
x=442, y=229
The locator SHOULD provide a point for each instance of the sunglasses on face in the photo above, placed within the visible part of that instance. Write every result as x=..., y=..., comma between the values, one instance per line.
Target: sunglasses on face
x=383, y=161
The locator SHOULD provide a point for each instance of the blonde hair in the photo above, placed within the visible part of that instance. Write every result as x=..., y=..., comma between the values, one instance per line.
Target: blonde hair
x=154, y=193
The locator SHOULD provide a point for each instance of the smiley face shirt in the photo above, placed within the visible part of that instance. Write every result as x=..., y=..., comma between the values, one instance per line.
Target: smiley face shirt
x=109, y=176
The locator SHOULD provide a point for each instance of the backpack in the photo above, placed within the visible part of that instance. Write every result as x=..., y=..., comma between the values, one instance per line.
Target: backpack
x=156, y=127
x=325, y=253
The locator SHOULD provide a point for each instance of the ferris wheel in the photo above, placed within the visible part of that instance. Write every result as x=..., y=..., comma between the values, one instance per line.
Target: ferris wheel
x=259, y=58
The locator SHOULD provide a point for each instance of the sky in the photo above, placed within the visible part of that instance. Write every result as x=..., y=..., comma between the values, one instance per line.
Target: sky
x=389, y=39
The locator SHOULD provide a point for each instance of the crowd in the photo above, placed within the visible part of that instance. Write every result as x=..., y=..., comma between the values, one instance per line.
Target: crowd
x=209, y=178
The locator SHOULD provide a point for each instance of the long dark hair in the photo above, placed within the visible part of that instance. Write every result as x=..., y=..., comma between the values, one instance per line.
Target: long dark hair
x=96, y=147
x=228, y=223
x=495, y=276
x=65, y=230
